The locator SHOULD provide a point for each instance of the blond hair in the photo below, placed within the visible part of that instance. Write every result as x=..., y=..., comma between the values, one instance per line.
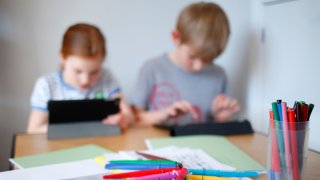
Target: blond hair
x=205, y=26
x=83, y=40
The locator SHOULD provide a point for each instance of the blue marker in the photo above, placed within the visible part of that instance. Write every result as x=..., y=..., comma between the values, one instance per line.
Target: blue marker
x=221, y=173
x=279, y=111
x=140, y=166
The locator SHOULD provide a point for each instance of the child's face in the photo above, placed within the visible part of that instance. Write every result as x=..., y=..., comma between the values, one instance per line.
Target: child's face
x=81, y=73
x=187, y=58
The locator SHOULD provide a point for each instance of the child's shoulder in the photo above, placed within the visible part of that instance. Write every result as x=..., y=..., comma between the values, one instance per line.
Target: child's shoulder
x=216, y=68
x=106, y=72
x=46, y=82
x=54, y=76
x=107, y=76
x=155, y=61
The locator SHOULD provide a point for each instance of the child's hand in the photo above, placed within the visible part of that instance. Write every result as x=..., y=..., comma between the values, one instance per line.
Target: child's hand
x=124, y=118
x=116, y=119
x=179, y=108
x=224, y=107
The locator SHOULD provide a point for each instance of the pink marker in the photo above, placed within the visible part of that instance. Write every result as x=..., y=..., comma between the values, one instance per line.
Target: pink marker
x=175, y=174
x=285, y=125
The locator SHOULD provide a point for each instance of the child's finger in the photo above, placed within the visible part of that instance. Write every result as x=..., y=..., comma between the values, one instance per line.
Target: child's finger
x=172, y=112
x=185, y=106
x=178, y=107
x=112, y=119
x=182, y=107
x=217, y=102
x=226, y=103
x=189, y=109
x=234, y=104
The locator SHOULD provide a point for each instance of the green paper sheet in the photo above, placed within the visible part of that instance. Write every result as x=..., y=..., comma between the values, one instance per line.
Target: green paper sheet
x=216, y=146
x=61, y=156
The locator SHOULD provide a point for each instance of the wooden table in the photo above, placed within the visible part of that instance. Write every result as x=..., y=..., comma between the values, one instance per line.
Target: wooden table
x=254, y=145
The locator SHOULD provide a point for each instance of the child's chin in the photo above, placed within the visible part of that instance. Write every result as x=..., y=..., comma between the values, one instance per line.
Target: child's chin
x=193, y=71
x=83, y=87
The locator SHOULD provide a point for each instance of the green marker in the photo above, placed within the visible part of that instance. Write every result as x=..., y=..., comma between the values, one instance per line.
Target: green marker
x=145, y=162
x=142, y=162
x=275, y=111
x=311, y=106
x=279, y=134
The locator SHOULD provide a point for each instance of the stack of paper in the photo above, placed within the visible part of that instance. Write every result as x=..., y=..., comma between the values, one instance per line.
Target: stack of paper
x=190, y=158
x=61, y=156
x=217, y=147
x=196, y=152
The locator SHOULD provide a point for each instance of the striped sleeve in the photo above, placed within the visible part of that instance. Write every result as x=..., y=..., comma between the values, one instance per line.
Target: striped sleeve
x=112, y=84
x=40, y=95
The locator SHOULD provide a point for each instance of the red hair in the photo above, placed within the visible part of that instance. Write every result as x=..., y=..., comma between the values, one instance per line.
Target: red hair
x=83, y=40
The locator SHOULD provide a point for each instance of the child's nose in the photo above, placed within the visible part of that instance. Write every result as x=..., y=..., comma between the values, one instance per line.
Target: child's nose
x=85, y=80
x=197, y=65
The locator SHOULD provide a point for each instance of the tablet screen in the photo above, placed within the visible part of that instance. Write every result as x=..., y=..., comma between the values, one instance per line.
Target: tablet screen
x=67, y=111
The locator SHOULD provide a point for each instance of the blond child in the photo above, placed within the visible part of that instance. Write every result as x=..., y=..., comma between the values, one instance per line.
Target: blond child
x=184, y=85
x=81, y=76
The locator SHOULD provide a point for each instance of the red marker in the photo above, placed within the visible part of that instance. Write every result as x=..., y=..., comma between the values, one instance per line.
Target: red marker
x=275, y=162
x=304, y=112
x=139, y=173
x=298, y=112
x=293, y=139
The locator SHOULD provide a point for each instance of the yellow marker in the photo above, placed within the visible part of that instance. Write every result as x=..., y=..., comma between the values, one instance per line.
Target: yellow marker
x=100, y=160
x=116, y=171
x=199, y=177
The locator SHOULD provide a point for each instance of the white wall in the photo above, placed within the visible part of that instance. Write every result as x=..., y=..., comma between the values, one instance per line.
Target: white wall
x=31, y=32
x=285, y=65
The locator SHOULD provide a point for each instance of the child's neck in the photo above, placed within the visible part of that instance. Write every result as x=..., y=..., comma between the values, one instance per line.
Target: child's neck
x=67, y=82
x=172, y=56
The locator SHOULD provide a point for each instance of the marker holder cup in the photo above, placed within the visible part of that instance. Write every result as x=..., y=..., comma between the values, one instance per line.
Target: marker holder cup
x=287, y=150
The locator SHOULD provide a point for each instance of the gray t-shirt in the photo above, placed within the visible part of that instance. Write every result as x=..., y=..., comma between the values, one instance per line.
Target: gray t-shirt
x=53, y=87
x=161, y=83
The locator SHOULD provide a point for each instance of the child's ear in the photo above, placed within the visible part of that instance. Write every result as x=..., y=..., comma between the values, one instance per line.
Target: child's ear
x=62, y=59
x=175, y=36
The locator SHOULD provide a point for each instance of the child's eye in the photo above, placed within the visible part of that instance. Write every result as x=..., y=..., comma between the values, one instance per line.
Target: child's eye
x=78, y=71
x=192, y=56
x=94, y=73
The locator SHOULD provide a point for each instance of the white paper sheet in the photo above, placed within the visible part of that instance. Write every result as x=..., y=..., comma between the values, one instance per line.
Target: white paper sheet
x=190, y=158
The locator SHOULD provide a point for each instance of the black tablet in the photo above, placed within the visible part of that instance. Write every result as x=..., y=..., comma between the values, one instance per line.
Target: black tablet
x=69, y=111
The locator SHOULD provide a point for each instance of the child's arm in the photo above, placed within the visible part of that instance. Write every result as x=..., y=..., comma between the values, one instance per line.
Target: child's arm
x=223, y=108
x=38, y=122
x=159, y=116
